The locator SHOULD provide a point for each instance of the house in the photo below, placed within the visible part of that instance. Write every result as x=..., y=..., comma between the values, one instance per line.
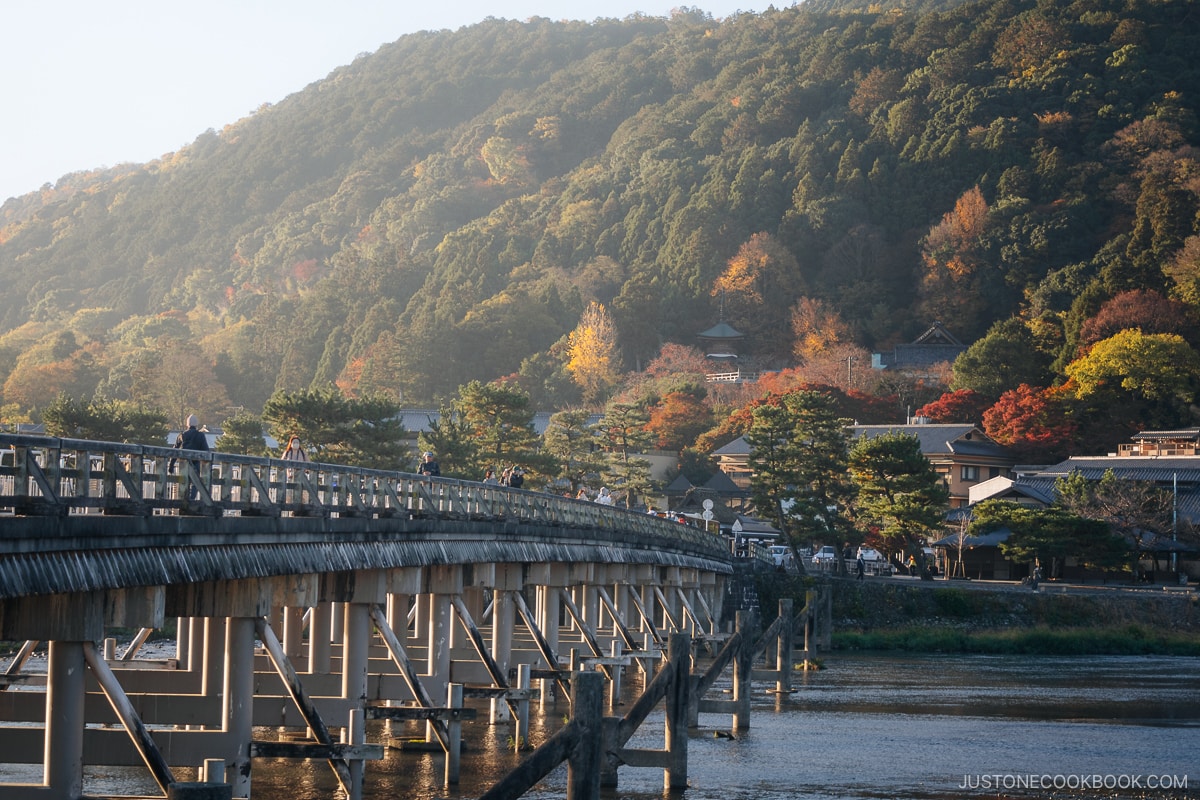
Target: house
x=1035, y=485
x=1162, y=443
x=733, y=460
x=962, y=454
x=978, y=557
x=935, y=346
x=1169, y=459
x=719, y=488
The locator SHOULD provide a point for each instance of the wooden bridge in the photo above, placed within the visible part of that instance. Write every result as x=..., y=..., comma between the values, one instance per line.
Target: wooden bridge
x=309, y=601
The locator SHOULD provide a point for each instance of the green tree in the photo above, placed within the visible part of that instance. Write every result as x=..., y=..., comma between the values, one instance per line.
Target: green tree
x=449, y=437
x=105, y=421
x=802, y=477
x=1157, y=367
x=1003, y=359
x=773, y=461
x=499, y=420
x=243, y=433
x=570, y=440
x=1132, y=509
x=1048, y=536
x=361, y=432
x=622, y=433
x=900, y=495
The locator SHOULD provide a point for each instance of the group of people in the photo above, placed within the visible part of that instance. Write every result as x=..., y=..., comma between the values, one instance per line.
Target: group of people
x=512, y=477
x=603, y=497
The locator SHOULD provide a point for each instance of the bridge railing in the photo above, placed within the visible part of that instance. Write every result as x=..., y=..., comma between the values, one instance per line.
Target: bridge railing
x=46, y=476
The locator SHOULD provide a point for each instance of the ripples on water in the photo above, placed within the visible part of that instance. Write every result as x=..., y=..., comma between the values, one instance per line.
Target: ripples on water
x=869, y=727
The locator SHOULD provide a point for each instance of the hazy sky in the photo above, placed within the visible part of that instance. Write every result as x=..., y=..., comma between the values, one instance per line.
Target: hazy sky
x=89, y=84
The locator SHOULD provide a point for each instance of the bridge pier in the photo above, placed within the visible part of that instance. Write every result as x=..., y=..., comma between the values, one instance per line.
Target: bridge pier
x=502, y=643
x=65, y=692
x=238, y=702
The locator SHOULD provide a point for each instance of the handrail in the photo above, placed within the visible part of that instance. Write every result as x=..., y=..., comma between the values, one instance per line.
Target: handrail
x=47, y=476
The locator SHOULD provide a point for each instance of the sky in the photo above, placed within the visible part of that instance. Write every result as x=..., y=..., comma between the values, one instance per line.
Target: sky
x=89, y=85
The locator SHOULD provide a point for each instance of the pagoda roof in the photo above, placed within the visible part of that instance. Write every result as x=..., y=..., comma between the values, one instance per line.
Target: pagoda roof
x=722, y=330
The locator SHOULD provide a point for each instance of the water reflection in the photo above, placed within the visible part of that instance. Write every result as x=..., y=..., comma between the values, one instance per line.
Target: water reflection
x=886, y=727
x=865, y=727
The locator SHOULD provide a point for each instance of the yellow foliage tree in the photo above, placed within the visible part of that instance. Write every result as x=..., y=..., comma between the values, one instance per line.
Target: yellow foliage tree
x=592, y=353
x=817, y=328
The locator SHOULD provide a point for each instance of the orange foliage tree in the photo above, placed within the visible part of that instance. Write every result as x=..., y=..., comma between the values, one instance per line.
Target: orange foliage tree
x=678, y=420
x=964, y=405
x=949, y=254
x=1032, y=421
x=757, y=288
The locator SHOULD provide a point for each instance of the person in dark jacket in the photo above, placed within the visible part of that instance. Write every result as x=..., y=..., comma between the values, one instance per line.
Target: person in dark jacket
x=192, y=439
x=429, y=466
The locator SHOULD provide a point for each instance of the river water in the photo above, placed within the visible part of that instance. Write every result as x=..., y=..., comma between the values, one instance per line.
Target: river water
x=866, y=727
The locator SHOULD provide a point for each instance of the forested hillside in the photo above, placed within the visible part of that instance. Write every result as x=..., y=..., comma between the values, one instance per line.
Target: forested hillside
x=446, y=209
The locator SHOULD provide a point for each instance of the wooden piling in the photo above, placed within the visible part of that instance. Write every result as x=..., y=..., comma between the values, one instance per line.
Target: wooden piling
x=678, y=695
x=584, y=761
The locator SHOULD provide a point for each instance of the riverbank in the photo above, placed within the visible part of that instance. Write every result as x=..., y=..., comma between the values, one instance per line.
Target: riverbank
x=902, y=614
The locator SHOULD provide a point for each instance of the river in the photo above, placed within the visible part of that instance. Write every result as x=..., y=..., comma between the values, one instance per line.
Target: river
x=868, y=727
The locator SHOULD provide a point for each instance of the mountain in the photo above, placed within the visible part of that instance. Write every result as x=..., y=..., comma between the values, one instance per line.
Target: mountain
x=445, y=208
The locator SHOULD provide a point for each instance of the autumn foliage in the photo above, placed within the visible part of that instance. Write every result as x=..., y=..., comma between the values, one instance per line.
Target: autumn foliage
x=964, y=405
x=1030, y=420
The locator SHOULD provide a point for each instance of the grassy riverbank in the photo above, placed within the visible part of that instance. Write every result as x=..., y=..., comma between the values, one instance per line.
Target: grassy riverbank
x=1128, y=640
x=948, y=617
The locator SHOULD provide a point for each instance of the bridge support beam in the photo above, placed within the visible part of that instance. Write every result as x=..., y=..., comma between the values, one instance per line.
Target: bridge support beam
x=238, y=701
x=502, y=631
x=65, y=692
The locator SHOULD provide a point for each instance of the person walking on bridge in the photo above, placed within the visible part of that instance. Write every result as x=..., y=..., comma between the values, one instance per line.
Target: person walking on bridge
x=429, y=466
x=193, y=439
x=294, y=452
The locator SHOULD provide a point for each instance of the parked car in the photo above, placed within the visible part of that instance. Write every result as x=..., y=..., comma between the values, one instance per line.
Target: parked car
x=781, y=554
x=826, y=556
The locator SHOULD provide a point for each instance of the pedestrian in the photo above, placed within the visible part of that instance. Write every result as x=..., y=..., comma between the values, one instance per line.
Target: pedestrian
x=912, y=565
x=429, y=466
x=293, y=451
x=583, y=494
x=604, y=498
x=489, y=477
x=860, y=567
x=192, y=439
x=516, y=478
